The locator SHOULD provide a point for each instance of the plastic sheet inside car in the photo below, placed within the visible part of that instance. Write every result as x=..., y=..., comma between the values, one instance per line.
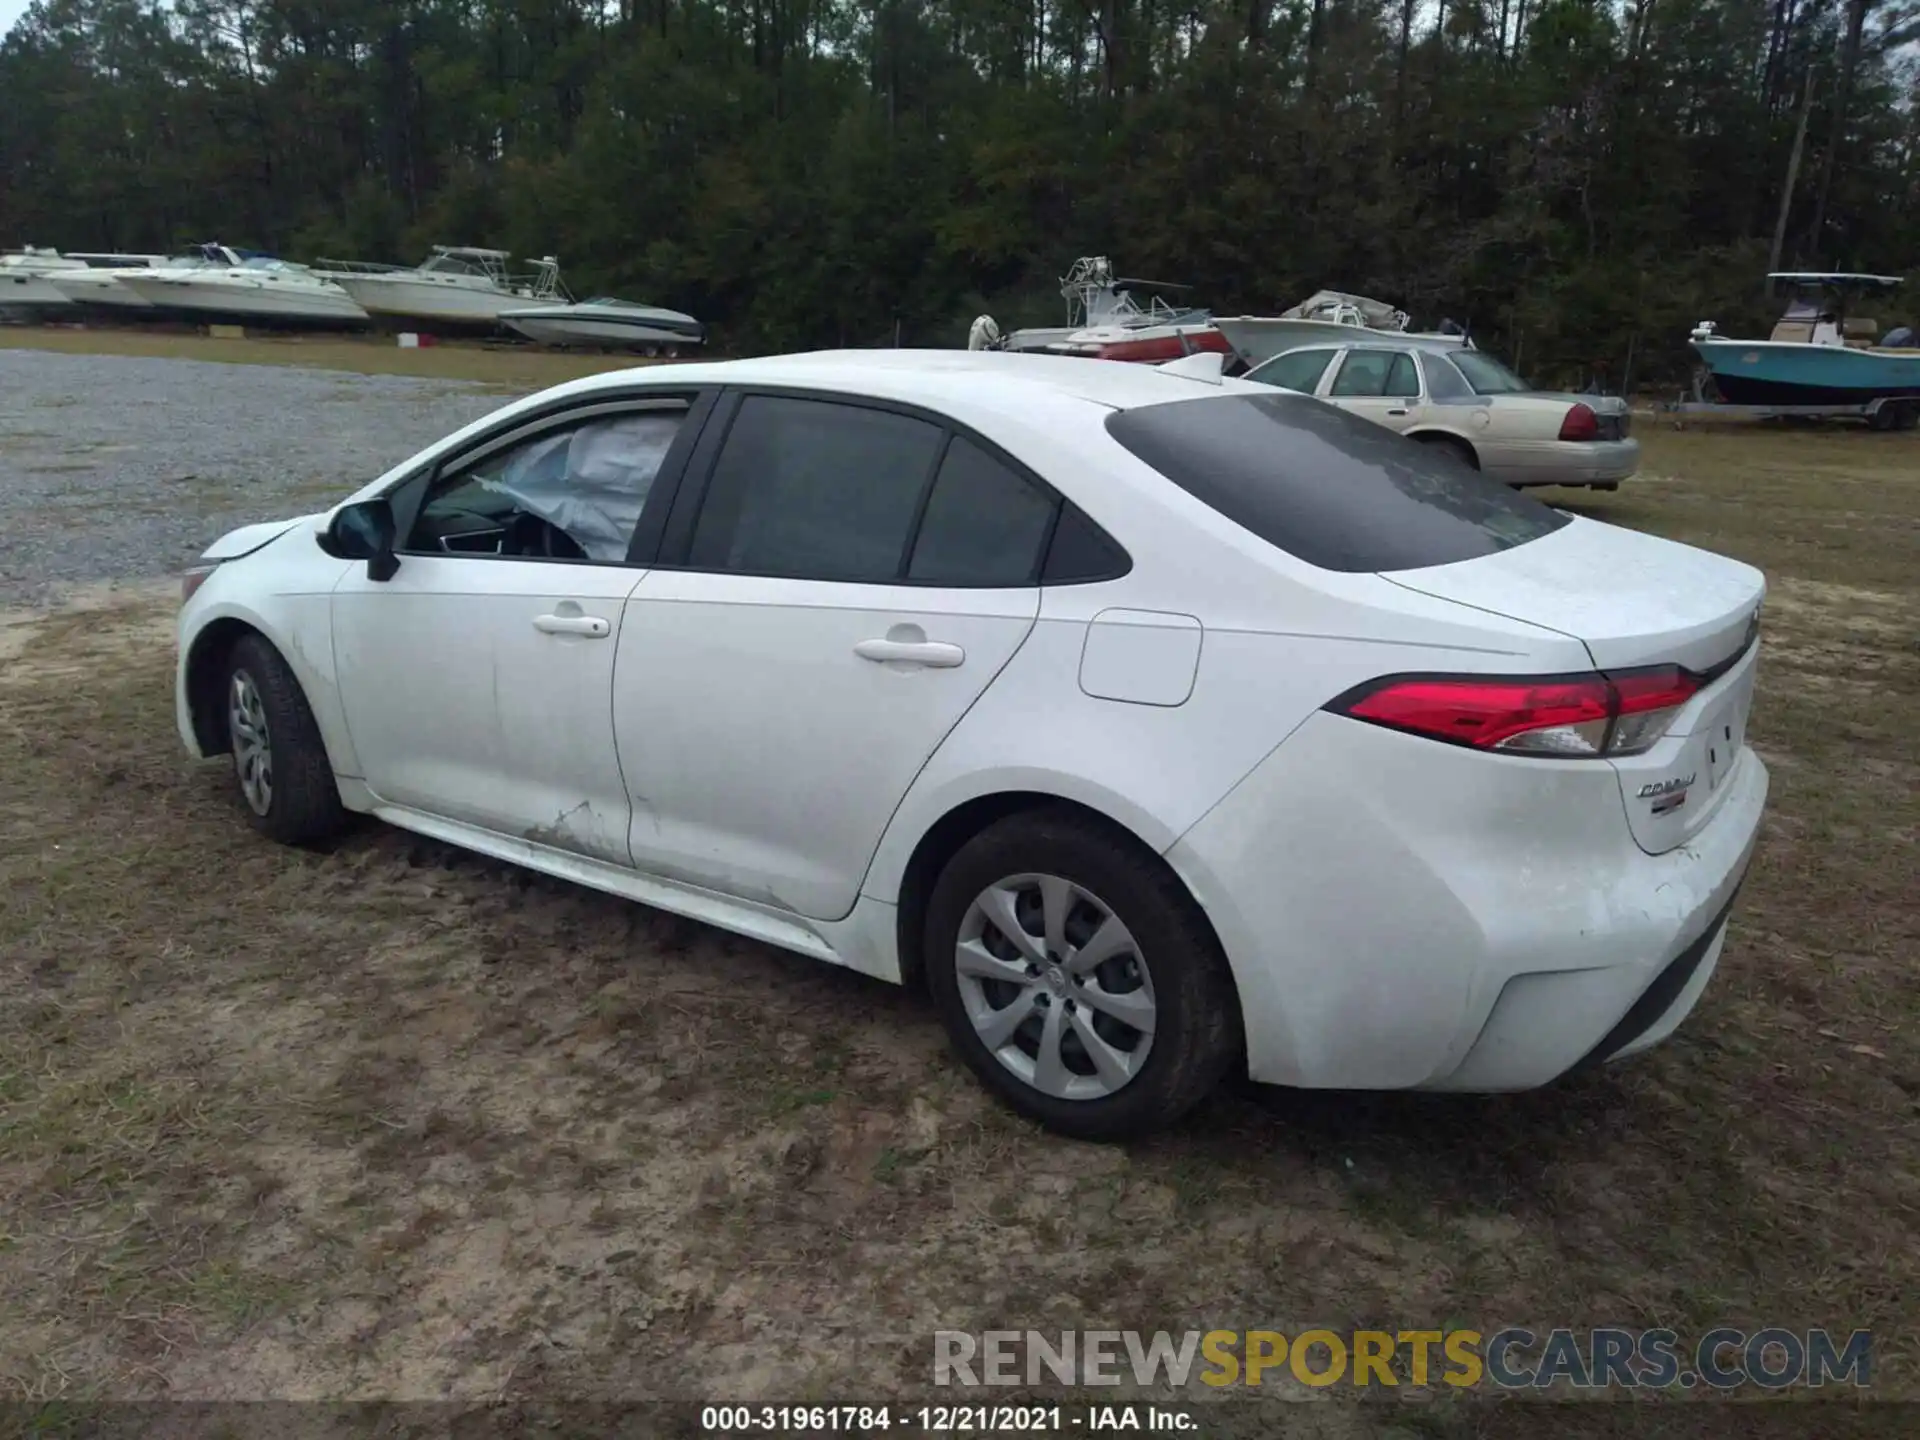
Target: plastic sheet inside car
x=591, y=482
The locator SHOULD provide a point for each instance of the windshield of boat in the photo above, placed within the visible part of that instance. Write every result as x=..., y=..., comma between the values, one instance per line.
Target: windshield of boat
x=1486, y=374
x=445, y=264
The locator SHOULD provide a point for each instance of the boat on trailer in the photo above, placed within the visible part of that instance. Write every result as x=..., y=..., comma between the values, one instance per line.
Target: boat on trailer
x=1111, y=317
x=1823, y=357
x=605, y=322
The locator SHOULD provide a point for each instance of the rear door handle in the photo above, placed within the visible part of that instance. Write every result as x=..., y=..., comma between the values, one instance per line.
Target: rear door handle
x=591, y=626
x=1399, y=410
x=934, y=654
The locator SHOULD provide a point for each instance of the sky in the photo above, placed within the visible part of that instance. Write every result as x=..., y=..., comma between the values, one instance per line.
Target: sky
x=10, y=11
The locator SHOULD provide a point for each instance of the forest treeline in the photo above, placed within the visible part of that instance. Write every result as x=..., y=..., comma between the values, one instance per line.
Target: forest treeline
x=1577, y=179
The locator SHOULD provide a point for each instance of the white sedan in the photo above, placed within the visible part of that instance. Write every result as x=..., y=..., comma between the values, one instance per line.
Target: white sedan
x=1464, y=401
x=1159, y=725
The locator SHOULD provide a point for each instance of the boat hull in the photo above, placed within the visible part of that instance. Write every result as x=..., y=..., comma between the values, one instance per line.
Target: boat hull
x=102, y=294
x=1258, y=338
x=33, y=294
x=1768, y=372
x=554, y=329
x=257, y=306
x=1143, y=345
x=414, y=300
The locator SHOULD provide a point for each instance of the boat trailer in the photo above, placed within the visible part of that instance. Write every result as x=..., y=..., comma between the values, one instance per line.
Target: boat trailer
x=1885, y=412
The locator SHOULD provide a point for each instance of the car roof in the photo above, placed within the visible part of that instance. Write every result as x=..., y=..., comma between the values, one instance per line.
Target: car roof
x=935, y=377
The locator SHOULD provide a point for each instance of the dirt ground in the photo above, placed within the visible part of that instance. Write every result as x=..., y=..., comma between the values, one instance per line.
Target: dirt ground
x=395, y=1122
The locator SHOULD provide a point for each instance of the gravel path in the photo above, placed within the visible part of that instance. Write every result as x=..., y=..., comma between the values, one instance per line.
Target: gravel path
x=120, y=468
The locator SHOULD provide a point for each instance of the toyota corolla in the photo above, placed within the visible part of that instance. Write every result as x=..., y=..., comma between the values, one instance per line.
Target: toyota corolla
x=1158, y=724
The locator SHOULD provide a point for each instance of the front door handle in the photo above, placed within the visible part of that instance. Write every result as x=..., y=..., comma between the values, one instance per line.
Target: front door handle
x=591, y=626
x=934, y=654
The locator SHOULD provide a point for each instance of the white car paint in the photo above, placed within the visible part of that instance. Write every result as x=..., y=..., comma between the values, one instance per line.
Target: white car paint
x=1396, y=911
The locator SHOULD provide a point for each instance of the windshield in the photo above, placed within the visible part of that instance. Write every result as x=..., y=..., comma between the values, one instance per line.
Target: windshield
x=1486, y=374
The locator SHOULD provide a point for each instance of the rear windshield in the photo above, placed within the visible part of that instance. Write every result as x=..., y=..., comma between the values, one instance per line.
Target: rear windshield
x=1333, y=489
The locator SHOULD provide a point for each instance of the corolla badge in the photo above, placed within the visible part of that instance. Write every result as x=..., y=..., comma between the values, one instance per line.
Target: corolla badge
x=1666, y=795
x=1666, y=787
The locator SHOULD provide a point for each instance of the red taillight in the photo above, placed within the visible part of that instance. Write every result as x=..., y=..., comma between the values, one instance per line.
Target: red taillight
x=1648, y=700
x=1581, y=423
x=193, y=579
x=1558, y=715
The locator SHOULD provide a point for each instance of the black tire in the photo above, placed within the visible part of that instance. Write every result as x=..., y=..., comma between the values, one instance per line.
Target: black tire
x=1458, y=448
x=1196, y=1027
x=302, y=801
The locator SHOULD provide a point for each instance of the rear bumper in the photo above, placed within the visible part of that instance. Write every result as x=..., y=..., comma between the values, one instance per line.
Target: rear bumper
x=1560, y=462
x=1402, y=914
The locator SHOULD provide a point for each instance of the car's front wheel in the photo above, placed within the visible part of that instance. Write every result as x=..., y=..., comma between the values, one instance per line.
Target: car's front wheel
x=1078, y=978
x=280, y=764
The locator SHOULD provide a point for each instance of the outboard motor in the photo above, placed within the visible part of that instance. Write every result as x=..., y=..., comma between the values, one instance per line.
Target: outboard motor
x=984, y=334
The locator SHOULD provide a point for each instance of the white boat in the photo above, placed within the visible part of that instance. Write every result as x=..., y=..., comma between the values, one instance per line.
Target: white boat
x=605, y=321
x=1329, y=315
x=1108, y=321
x=98, y=288
x=457, y=286
x=258, y=291
x=25, y=289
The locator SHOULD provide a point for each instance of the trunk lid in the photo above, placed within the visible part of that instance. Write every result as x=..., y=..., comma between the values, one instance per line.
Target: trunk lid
x=1614, y=415
x=1635, y=600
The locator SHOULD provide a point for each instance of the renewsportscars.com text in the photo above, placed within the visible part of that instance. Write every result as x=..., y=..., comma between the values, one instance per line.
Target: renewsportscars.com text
x=1513, y=1358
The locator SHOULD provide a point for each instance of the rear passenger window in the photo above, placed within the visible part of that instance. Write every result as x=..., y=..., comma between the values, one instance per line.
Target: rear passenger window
x=1363, y=372
x=815, y=490
x=984, y=524
x=1325, y=485
x=1300, y=370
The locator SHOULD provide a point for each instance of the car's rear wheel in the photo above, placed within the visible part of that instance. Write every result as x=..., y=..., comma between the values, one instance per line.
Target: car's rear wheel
x=1077, y=977
x=1460, y=449
x=280, y=764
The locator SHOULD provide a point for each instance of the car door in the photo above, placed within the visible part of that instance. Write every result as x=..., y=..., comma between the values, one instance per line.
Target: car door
x=1380, y=384
x=478, y=680
x=845, y=582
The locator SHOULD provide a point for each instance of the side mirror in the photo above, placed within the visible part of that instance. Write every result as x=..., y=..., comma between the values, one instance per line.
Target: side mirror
x=365, y=532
